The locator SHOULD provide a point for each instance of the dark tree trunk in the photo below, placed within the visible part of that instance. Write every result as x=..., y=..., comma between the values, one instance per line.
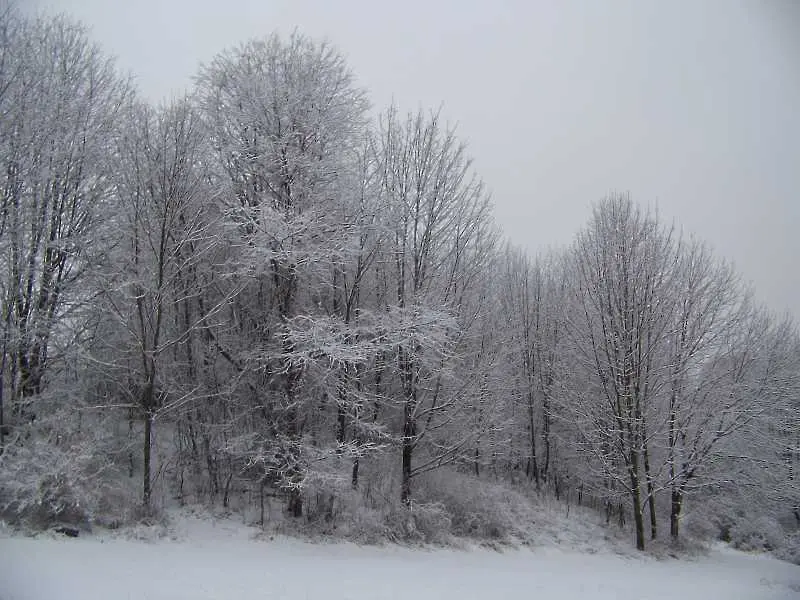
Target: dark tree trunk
x=636, y=498
x=409, y=424
x=2, y=407
x=295, y=507
x=651, y=496
x=675, y=513
x=3, y=384
x=211, y=465
x=409, y=433
x=131, y=460
x=651, y=503
x=226, y=493
x=30, y=375
x=261, y=487
x=546, y=437
x=341, y=415
x=534, y=466
x=146, y=477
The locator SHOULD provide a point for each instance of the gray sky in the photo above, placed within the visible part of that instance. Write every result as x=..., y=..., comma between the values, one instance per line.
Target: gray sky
x=692, y=105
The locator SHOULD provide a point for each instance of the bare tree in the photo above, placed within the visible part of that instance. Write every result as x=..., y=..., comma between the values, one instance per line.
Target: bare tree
x=59, y=101
x=709, y=317
x=167, y=232
x=733, y=431
x=442, y=238
x=533, y=293
x=285, y=119
x=623, y=263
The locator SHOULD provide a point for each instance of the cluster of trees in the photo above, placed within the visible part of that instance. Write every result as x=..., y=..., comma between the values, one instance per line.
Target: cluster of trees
x=278, y=281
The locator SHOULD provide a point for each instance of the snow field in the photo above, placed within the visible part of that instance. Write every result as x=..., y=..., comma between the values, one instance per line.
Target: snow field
x=221, y=560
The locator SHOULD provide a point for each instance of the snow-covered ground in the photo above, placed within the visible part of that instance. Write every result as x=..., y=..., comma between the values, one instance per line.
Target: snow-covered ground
x=207, y=559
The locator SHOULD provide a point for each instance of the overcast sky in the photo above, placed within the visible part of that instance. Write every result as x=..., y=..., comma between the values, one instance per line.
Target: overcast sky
x=692, y=105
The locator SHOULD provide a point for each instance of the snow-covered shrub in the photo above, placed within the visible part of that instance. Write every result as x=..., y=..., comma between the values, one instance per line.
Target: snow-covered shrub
x=50, y=476
x=38, y=485
x=367, y=513
x=332, y=507
x=379, y=482
x=790, y=551
x=761, y=533
x=712, y=514
x=326, y=493
x=478, y=509
x=427, y=522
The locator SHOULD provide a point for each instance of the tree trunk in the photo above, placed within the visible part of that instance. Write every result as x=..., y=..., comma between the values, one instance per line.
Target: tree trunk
x=675, y=513
x=226, y=492
x=3, y=382
x=2, y=422
x=131, y=460
x=30, y=375
x=295, y=506
x=651, y=496
x=261, y=486
x=636, y=498
x=409, y=424
x=546, y=436
x=651, y=503
x=341, y=415
x=534, y=470
x=146, y=477
x=409, y=433
x=2, y=406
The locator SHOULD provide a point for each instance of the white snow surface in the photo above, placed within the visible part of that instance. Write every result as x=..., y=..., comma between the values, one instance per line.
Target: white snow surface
x=223, y=560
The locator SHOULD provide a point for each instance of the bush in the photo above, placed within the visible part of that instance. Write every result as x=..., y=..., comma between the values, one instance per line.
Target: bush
x=333, y=508
x=791, y=549
x=327, y=496
x=478, y=509
x=759, y=534
x=446, y=504
x=45, y=482
x=429, y=523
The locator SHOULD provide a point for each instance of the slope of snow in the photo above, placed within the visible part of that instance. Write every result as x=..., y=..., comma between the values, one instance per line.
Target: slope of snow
x=221, y=560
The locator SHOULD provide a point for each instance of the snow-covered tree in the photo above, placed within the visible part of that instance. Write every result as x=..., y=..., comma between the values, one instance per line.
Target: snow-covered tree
x=624, y=280
x=442, y=240
x=532, y=293
x=709, y=320
x=59, y=102
x=167, y=231
x=285, y=120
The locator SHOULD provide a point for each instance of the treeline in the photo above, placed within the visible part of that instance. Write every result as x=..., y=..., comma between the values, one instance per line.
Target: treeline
x=261, y=285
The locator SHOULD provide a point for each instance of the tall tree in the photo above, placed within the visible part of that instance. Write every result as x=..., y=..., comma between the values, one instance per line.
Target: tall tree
x=709, y=313
x=623, y=262
x=285, y=119
x=59, y=103
x=168, y=231
x=443, y=238
x=533, y=293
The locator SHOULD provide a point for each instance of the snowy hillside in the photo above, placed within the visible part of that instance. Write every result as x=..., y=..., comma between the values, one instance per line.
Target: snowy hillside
x=222, y=560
